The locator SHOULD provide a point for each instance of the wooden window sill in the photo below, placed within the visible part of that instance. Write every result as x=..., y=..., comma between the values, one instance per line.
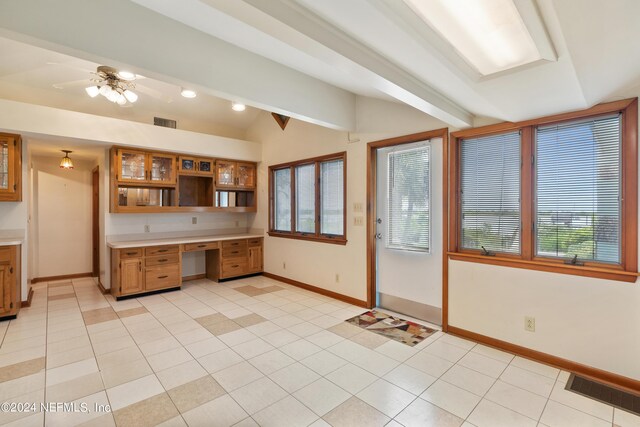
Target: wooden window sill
x=321, y=239
x=595, y=272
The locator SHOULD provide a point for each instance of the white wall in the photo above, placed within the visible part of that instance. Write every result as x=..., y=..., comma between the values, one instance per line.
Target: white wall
x=318, y=263
x=62, y=216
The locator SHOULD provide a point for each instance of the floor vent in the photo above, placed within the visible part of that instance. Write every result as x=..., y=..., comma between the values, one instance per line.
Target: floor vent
x=605, y=394
x=168, y=123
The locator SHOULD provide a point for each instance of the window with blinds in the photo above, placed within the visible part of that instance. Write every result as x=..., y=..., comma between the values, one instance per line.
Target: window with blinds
x=490, y=193
x=282, y=199
x=332, y=197
x=306, y=198
x=408, y=198
x=578, y=189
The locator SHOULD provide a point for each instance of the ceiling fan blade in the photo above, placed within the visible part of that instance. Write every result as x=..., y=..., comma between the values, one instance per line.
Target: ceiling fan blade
x=73, y=83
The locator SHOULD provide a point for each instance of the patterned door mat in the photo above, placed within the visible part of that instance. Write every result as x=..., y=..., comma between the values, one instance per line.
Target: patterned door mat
x=400, y=330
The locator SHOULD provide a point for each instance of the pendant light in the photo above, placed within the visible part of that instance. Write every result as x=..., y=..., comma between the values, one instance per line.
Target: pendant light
x=66, y=162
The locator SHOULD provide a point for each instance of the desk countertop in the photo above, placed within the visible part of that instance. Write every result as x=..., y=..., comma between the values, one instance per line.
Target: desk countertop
x=178, y=240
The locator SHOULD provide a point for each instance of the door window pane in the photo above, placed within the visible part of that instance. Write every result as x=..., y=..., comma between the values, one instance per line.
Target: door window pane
x=282, y=199
x=578, y=187
x=408, y=198
x=306, y=199
x=490, y=193
x=332, y=197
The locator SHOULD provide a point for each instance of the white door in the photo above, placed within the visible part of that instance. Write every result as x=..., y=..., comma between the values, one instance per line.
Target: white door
x=409, y=229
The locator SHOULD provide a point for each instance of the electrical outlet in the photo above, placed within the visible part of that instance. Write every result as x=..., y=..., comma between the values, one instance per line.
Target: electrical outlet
x=358, y=221
x=337, y=278
x=357, y=207
x=529, y=323
x=237, y=223
x=147, y=228
x=284, y=265
x=194, y=220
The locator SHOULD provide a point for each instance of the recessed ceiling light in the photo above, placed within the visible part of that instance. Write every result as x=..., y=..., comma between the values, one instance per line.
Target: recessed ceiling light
x=489, y=34
x=236, y=106
x=188, y=93
x=126, y=75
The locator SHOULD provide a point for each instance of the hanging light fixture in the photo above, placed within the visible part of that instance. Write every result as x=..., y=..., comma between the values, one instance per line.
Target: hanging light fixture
x=116, y=86
x=66, y=162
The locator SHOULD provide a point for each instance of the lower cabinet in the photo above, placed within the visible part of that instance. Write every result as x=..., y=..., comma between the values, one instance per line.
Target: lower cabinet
x=10, y=292
x=140, y=270
x=240, y=257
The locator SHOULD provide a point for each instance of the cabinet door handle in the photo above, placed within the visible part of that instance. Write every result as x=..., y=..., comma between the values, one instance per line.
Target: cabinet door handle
x=162, y=277
x=163, y=260
x=162, y=250
x=139, y=265
x=202, y=246
x=235, y=266
x=131, y=253
x=11, y=270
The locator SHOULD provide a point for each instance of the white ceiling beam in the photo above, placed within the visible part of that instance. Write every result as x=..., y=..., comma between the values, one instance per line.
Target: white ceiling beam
x=122, y=33
x=357, y=58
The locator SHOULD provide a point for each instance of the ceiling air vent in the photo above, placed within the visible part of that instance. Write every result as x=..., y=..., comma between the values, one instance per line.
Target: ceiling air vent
x=168, y=123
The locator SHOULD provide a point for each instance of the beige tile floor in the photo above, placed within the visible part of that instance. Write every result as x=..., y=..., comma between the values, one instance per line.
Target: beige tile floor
x=259, y=352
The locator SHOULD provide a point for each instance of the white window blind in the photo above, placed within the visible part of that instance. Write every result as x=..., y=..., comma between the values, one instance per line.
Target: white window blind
x=282, y=199
x=332, y=197
x=408, y=198
x=306, y=198
x=490, y=193
x=578, y=188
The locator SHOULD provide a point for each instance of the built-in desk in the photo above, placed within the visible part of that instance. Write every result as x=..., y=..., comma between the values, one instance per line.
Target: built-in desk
x=144, y=266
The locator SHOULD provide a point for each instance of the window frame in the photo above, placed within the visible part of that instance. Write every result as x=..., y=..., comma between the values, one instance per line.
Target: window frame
x=317, y=236
x=628, y=267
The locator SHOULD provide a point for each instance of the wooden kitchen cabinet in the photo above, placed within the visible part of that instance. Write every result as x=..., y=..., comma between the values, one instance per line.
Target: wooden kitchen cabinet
x=240, y=257
x=141, y=167
x=195, y=166
x=10, y=168
x=230, y=174
x=10, y=289
x=140, y=270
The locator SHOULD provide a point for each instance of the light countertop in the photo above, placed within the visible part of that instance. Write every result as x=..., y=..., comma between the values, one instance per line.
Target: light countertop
x=11, y=241
x=179, y=240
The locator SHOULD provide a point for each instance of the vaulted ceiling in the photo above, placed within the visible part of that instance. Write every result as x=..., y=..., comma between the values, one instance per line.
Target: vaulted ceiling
x=309, y=59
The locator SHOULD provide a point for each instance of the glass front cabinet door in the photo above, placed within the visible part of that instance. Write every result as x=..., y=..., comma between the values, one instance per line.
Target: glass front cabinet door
x=225, y=173
x=195, y=166
x=132, y=166
x=246, y=175
x=163, y=168
x=10, y=167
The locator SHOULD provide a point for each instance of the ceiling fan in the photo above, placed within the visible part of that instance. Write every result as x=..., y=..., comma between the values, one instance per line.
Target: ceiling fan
x=118, y=81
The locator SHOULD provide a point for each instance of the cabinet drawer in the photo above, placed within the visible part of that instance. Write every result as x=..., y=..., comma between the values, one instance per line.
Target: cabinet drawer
x=159, y=250
x=234, y=252
x=204, y=246
x=234, y=244
x=131, y=253
x=165, y=276
x=162, y=259
x=255, y=242
x=234, y=267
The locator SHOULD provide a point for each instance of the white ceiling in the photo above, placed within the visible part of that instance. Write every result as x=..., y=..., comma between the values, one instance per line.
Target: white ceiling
x=40, y=76
x=374, y=48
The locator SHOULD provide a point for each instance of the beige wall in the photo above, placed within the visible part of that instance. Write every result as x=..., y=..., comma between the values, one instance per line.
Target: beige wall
x=318, y=263
x=62, y=215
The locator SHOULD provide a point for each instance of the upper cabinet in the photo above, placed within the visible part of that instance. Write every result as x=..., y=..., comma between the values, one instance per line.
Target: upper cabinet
x=230, y=174
x=195, y=166
x=154, y=182
x=10, y=168
x=139, y=167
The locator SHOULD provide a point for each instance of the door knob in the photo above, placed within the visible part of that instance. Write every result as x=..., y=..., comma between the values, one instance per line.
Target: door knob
x=379, y=236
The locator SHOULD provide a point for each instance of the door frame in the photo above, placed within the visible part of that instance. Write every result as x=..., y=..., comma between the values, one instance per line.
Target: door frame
x=372, y=148
x=95, y=221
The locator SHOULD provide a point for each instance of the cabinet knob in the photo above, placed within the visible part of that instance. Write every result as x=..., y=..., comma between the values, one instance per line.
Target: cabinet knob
x=11, y=270
x=162, y=277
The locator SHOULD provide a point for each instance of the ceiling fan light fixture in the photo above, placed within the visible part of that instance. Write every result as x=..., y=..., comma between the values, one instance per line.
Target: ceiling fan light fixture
x=188, y=93
x=104, y=90
x=237, y=106
x=66, y=162
x=131, y=96
x=93, y=91
x=126, y=75
x=121, y=100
